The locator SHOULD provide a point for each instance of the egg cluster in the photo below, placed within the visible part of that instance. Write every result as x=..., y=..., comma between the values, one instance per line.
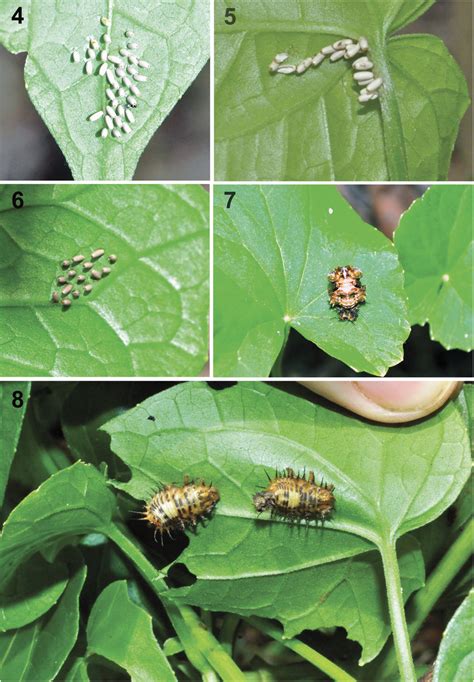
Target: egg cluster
x=346, y=48
x=121, y=75
x=79, y=276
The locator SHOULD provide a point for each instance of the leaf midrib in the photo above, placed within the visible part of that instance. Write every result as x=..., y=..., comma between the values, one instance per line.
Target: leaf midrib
x=279, y=437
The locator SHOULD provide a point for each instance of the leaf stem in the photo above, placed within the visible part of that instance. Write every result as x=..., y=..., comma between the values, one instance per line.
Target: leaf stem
x=397, y=611
x=201, y=647
x=318, y=660
x=439, y=579
x=196, y=638
x=152, y=576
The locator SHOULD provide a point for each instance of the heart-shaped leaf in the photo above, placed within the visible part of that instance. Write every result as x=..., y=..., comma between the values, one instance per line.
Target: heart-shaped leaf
x=388, y=481
x=435, y=246
x=312, y=127
x=172, y=38
x=147, y=317
x=274, y=248
x=12, y=411
x=133, y=648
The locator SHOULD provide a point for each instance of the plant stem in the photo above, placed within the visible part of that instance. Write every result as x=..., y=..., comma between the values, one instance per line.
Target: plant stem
x=201, y=647
x=144, y=567
x=439, y=579
x=189, y=627
x=397, y=611
x=318, y=660
x=196, y=657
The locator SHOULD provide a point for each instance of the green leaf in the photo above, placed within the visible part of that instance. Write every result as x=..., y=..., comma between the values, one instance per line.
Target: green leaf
x=234, y=436
x=468, y=391
x=312, y=127
x=174, y=39
x=465, y=503
x=77, y=672
x=388, y=481
x=274, y=248
x=11, y=420
x=148, y=317
x=37, y=651
x=33, y=589
x=434, y=242
x=455, y=661
x=133, y=647
x=75, y=501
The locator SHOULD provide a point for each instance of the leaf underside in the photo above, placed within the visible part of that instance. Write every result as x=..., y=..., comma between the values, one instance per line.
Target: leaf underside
x=173, y=38
x=148, y=317
x=384, y=488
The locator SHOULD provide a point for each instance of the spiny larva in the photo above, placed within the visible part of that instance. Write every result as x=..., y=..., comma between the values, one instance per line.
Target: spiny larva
x=180, y=507
x=294, y=497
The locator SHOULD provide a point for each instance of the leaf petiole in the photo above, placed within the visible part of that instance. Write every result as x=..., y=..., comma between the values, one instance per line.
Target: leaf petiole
x=397, y=611
x=436, y=584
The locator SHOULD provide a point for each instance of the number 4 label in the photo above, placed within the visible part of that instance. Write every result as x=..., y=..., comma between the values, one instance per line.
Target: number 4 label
x=18, y=15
